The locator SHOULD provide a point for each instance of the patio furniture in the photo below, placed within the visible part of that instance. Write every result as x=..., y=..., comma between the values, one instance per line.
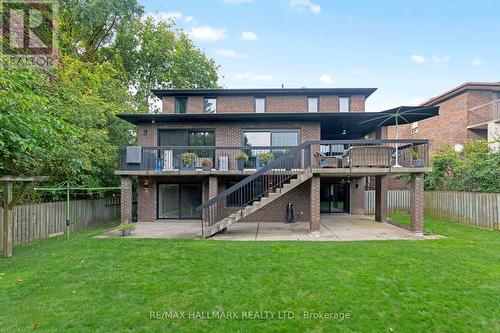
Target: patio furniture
x=368, y=156
x=325, y=161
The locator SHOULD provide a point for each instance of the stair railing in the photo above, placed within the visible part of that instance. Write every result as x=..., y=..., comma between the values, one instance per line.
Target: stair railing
x=252, y=188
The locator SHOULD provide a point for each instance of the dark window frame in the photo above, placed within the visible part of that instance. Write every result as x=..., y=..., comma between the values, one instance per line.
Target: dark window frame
x=179, y=184
x=176, y=109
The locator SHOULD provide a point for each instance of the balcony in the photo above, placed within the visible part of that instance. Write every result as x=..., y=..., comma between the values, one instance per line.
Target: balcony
x=479, y=116
x=338, y=156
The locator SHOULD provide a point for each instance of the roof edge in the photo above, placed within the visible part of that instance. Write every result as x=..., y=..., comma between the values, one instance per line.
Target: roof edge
x=460, y=89
x=367, y=92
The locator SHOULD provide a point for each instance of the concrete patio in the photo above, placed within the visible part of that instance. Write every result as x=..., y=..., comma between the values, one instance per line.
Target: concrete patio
x=334, y=227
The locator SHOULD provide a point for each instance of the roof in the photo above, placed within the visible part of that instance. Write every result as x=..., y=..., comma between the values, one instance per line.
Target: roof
x=494, y=86
x=357, y=124
x=267, y=92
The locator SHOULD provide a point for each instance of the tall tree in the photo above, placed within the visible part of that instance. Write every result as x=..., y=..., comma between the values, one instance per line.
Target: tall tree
x=157, y=55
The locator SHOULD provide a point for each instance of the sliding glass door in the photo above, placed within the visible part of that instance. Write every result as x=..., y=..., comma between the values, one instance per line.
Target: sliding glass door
x=187, y=138
x=179, y=201
x=268, y=138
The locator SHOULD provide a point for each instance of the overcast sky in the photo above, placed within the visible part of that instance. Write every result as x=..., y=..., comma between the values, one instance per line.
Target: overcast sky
x=409, y=50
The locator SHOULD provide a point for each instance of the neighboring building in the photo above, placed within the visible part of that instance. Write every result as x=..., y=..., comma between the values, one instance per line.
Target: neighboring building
x=245, y=154
x=467, y=112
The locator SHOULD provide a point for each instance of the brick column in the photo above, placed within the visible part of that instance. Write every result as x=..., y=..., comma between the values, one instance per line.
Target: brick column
x=417, y=203
x=126, y=199
x=357, y=196
x=211, y=192
x=381, y=184
x=314, y=208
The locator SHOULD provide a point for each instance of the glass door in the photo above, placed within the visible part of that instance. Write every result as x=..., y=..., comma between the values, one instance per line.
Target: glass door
x=179, y=201
x=334, y=198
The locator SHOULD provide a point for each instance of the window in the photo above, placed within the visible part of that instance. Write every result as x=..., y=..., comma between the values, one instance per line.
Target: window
x=414, y=128
x=260, y=104
x=181, y=104
x=344, y=104
x=210, y=105
x=312, y=104
x=261, y=140
x=185, y=138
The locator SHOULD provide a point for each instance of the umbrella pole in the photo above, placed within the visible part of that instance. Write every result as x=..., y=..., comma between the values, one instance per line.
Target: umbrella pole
x=397, y=145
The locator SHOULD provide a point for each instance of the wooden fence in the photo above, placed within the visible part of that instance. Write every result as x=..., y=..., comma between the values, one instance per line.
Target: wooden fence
x=37, y=221
x=475, y=209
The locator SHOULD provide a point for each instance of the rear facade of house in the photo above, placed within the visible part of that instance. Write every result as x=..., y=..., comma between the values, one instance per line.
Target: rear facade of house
x=470, y=111
x=223, y=156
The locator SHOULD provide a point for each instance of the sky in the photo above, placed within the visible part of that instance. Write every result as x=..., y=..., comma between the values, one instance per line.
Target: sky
x=409, y=50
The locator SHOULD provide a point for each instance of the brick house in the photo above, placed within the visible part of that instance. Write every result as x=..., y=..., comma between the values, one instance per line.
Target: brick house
x=469, y=111
x=222, y=156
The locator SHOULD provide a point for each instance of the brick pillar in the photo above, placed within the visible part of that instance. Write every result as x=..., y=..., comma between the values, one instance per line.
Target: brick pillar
x=314, y=208
x=126, y=199
x=381, y=184
x=417, y=203
x=357, y=196
x=212, y=189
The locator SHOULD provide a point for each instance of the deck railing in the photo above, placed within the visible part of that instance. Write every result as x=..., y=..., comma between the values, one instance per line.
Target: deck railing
x=317, y=154
x=483, y=114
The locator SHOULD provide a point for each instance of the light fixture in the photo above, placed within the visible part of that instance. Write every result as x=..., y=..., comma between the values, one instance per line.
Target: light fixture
x=343, y=130
x=146, y=184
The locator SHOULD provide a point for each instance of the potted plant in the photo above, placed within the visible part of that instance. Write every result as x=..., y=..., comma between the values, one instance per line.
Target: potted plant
x=265, y=159
x=206, y=164
x=417, y=158
x=126, y=228
x=188, y=161
x=241, y=159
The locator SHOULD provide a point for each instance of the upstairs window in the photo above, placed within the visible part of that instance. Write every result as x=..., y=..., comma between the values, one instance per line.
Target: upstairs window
x=344, y=104
x=210, y=105
x=312, y=104
x=260, y=104
x=181, y=104
x=414, y=128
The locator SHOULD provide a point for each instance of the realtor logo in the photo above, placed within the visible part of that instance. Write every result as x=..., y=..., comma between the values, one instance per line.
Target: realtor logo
x=29, y=31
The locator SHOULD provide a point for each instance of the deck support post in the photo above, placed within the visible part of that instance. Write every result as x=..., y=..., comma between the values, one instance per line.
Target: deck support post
x=126, y=199
x=417, y=203
x=381, y=184
x=314, y=206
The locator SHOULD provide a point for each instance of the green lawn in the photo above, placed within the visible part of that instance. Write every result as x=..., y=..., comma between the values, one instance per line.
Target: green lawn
x=105, y=285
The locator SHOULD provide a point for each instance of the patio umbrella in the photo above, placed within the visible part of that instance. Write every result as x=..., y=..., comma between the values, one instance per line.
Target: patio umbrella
x=402, y=114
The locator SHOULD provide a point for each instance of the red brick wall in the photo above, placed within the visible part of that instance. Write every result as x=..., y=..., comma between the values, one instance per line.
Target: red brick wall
x=357, y=196
x=357, y=103
x=226, y=133
x=275, y=211
x=245, y=104
x=450, y=127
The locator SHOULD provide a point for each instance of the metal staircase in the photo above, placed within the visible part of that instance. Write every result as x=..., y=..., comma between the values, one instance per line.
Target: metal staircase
x=258, y=190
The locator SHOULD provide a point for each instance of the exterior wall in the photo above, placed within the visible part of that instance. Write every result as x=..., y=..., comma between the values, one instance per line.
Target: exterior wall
x=274, y=103
x=226, y=133
x=276, y=210
x=126, y=199
x=146, y=199
x=357, y=196
x=358, y=103
x=450, y=127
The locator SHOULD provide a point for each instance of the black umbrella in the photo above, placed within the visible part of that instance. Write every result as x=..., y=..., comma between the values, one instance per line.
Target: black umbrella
x=406, y=114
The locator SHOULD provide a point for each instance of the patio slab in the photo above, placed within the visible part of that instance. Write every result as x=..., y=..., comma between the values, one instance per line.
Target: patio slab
x=334, y=227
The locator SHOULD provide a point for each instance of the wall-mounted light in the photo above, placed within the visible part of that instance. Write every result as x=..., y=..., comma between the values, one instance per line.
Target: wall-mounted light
x=343, y=130
x=146, y=184
x=145, y=132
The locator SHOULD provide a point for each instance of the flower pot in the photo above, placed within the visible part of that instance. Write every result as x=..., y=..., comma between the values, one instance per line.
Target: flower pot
x=241, y=164
x=127, y=232
x=187, y=167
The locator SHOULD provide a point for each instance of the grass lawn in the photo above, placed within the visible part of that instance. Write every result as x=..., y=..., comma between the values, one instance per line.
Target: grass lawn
x=105, y=285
